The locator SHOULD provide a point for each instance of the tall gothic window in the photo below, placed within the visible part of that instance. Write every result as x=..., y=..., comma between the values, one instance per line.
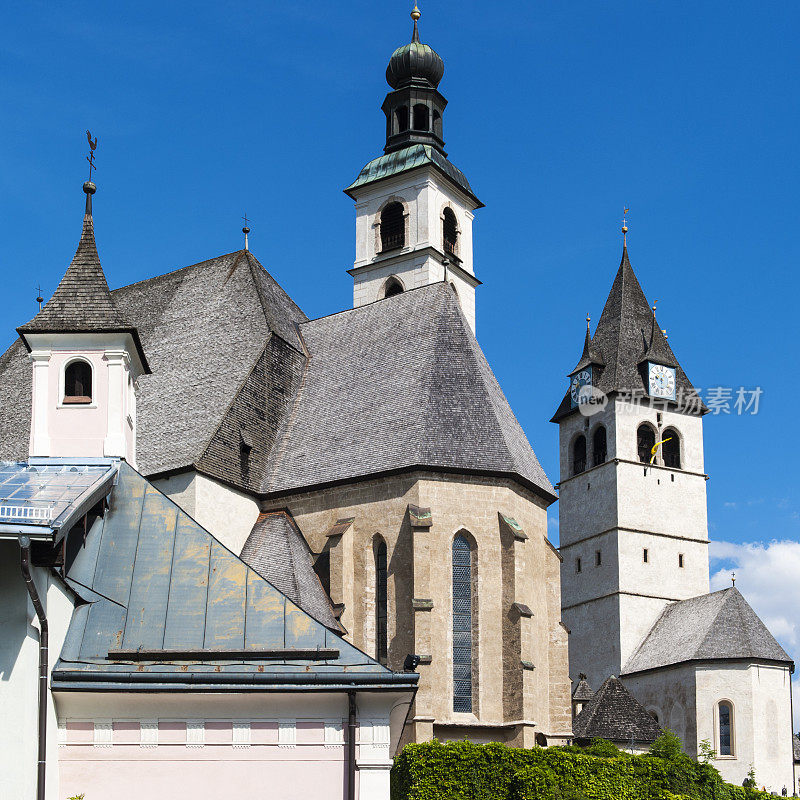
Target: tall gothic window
x=671, y=449
x=421, y=117
x=725, y=719
x=381, y=603
x=579, y=455
x=393, y=227
x=78, y=382
x=599, y=447
x=463, y=599
x=450, y=231
x=645, y=441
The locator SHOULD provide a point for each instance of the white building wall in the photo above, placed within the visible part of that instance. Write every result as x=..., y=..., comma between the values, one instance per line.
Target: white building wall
x=226, y=513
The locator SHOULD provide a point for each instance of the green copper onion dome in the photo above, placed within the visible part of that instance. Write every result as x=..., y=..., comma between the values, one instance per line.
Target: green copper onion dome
x=414, y=64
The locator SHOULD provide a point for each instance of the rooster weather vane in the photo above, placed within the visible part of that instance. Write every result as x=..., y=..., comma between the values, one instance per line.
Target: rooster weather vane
x=90, y=157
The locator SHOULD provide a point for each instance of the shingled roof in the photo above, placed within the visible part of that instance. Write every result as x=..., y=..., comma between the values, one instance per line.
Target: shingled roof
x=796, y=748
x=582, y=692
x=615, y=714
x=167, y=605
x=277, y=551
x=398, y=384
x=627, y=335
x=82, y=301
x=716, y=626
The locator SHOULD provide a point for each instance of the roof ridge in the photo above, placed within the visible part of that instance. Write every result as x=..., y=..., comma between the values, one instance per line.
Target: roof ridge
x=156, y=278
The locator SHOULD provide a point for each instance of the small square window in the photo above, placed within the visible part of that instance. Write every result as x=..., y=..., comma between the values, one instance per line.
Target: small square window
x=598, y=558
x=645, y=555
x=577, y=565
x=680, y=560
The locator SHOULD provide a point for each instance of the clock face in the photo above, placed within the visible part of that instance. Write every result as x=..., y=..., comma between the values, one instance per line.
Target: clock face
x=661, y=381
x=577, y=382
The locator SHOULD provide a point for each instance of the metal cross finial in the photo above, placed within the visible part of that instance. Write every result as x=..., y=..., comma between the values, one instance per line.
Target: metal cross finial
x=625, y=227
x=39, y=297
x=90, y=157
x=733, y=579
x=246, y=231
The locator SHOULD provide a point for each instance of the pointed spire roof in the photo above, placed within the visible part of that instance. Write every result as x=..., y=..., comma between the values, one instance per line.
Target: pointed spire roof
x=615, y=714
x=583, y=692
x=591, y=355
x=628, y=335
x=82, y=301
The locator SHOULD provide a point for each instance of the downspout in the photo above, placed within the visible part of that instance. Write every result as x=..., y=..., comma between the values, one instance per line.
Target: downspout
x=25, y=565
x=351, y=746
x=791, y=727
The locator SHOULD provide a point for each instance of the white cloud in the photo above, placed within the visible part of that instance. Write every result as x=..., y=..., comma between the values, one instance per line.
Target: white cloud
x=768, y=575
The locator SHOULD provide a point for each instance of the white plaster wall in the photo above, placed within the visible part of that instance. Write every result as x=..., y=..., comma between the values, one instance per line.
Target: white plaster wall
x=19, y=660
x=594, y=637
x=226, y=513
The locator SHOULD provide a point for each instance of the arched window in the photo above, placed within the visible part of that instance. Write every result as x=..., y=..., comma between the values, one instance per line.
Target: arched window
x=393, y=227
x=599, y=449
x=645, y=441
x=579, y=455
x=381, y=603
x=392, y=287
x=78, y=382
x=463, y=622
x=671, y=449
x=725, y=723
x=421, y=117
x=449, y=231
x=401, y=116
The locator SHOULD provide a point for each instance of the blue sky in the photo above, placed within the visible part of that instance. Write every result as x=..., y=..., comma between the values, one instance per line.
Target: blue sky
x=560, y=113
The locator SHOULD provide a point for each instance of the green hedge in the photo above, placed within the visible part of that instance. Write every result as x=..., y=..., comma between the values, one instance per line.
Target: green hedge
x=466, y=771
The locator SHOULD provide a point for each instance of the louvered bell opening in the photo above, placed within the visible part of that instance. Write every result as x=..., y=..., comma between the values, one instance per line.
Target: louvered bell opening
x=392, y=227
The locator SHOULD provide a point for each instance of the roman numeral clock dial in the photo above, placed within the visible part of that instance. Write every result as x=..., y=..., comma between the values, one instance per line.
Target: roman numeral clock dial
x=576, y=384
x=661, y=381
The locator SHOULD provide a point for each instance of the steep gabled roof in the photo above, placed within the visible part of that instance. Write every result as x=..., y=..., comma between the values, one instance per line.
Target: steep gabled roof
x=716, y=626
x=626, y=335
x=615, y=714
x=397, y=384
x=167, y=605
x=82, y=301
x=205, y=328
x=277, y=551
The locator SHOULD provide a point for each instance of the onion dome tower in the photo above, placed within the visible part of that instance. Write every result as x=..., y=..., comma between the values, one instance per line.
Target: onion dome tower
x=414, y=209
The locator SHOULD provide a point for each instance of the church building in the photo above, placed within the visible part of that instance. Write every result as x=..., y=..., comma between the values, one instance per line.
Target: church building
x=258, y=539
x=634, y=541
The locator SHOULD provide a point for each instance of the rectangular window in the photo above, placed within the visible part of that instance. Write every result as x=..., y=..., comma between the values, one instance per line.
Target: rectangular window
x=577, y=565
x=644, y=555
x=680, y=560
x=598, y=558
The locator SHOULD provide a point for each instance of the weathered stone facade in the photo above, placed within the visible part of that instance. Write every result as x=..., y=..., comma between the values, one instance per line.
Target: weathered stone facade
x=521, y=684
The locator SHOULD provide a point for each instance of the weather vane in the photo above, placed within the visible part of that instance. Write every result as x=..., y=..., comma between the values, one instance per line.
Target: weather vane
x=90, y=157
x=625, y=226
x=733, y=579
x=246, y=230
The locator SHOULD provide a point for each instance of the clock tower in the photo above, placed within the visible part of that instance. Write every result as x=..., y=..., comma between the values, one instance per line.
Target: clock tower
x=632, y=507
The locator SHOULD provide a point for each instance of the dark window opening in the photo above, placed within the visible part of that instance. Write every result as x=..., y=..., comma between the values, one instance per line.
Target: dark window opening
x=599, y=449
x=381, y=604
x=322, y=566
x=78, y=383
x=579, y=455
x=645, y=555
x=421, y=117
x=393, y=287
x=577, y=565
x=725, y=729
x=680, y=559
x=598, y=558
x=654, y=715
x=450, y=231
x=645, y=441
x=462, y=624
x=401, y=117
x=671, y=449
x=393, y=227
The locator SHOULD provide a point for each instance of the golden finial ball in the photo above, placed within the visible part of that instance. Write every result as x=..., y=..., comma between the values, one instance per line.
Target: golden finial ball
x=415, y=14
x=624, y=228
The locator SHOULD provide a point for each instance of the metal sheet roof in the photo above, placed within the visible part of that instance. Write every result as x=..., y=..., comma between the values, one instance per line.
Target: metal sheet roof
x=42, y=496
x=161, y=585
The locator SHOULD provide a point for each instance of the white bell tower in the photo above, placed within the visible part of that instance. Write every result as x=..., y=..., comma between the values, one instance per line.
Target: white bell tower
x=414, y=209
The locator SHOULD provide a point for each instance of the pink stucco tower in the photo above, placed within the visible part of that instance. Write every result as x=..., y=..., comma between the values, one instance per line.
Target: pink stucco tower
x=86, y=360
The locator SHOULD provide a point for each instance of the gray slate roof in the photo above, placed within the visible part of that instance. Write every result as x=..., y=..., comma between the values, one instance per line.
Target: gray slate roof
x=615, y=714
x=154, y=580
x=16, y=401
x=627, y=335
x=796, y=748
x=719, y=625
x=277, y=551
x=582, y=692
x=397, y=384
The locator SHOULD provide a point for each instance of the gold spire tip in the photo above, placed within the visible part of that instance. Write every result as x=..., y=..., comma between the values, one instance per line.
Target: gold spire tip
x=416, y=14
